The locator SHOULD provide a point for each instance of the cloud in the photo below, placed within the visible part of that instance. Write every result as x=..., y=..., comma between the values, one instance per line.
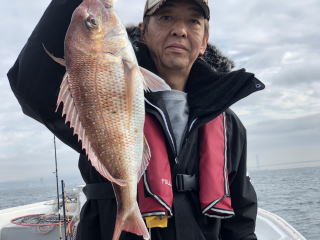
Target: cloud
x=265, y=33
x=28, y=152
x=307, y=126
x=279, y=42
x=297, y=71
x=284, y=142
x=130, y=15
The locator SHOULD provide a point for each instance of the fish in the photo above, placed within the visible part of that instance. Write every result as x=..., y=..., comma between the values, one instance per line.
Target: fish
x=102, y=94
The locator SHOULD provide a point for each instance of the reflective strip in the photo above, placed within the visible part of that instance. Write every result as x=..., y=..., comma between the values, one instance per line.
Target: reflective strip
x=155, y=196
x=217, y=216
x=153, y=214
x=191, y=125
x=211, y=205
x=222, y=211
x=229, y=213
x=226, y=187
x=165, y=121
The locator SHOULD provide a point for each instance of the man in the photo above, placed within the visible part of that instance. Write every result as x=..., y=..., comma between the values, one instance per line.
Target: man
x=173, y=44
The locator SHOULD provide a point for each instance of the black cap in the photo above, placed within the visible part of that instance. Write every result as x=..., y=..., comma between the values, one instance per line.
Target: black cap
x=153, y=5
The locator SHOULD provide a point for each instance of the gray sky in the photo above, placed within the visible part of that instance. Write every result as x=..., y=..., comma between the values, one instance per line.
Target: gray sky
x=276, y=40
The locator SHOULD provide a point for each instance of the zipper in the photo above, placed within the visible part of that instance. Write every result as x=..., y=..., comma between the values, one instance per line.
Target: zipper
x=176, y=159
x=167, y=128
x=185, y=138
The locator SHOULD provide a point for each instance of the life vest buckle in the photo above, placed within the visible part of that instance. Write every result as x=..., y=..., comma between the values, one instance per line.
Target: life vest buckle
x=186, y=182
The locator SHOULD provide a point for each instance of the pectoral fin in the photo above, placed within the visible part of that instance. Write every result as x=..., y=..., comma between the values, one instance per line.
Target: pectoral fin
x=152, y=82
x=145, y=158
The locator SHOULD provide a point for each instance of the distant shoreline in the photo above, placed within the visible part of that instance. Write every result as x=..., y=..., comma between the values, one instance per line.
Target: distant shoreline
x=286, y=165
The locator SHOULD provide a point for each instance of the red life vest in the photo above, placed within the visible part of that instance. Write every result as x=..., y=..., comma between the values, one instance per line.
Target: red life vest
x=155, y=193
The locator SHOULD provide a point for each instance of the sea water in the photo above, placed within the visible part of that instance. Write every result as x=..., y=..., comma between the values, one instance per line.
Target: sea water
x=293, y=194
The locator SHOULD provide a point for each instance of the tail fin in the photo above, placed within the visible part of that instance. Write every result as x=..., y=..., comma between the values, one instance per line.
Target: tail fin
x=131, y=222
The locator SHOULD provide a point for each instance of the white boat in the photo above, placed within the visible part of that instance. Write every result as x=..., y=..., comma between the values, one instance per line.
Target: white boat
x=272, y=227
x=269, y=226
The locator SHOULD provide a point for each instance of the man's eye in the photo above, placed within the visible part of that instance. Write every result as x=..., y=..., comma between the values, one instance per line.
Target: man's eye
x=165, y=18
x=195, y=21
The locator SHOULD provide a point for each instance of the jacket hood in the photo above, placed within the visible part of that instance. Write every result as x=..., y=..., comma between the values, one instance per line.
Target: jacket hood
x=212, y=87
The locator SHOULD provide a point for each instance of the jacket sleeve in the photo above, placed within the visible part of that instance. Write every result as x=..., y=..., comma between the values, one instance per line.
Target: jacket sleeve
x=243, y=196
x=35, y=78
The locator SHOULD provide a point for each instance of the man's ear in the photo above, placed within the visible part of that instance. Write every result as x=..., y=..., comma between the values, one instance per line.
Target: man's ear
x=204, y=44
x=141, y=27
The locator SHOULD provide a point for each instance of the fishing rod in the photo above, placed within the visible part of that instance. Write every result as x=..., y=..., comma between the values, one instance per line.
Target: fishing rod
x=64, y=210
x=56, y=172
x=57, y=179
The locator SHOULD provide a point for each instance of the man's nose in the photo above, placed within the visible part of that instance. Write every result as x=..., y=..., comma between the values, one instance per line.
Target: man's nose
x=179, y=29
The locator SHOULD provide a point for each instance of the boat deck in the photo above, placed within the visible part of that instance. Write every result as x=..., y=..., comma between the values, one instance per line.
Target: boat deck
x=269, y=226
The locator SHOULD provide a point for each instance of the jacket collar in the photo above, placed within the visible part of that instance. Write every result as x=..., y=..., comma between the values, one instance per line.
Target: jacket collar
x=209, y=92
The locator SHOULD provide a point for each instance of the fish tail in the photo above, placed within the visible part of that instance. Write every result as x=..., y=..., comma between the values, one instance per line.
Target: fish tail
x=131, y=222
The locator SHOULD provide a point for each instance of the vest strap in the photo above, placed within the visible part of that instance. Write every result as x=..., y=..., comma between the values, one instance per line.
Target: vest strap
x=95, y=191
x=186, y=183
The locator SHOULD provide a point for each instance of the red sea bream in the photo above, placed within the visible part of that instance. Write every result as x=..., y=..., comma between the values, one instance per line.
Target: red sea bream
x=103, y=99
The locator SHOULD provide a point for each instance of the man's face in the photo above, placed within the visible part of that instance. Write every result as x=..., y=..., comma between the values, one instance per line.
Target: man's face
x=175, y=35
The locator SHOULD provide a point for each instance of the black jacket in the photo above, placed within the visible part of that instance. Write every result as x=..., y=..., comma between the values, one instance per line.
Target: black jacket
x=35, y=80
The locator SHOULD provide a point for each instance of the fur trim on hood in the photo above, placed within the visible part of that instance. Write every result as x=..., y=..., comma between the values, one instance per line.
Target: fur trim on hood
x=212, y=55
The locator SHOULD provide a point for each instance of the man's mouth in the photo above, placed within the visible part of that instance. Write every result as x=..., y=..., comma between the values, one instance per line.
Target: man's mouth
x=177, y=47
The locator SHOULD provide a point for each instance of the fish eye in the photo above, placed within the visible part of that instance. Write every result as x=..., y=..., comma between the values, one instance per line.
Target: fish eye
x=91, y=23
x=107, y=5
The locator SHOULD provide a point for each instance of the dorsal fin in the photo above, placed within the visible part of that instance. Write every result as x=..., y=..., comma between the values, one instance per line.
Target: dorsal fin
x=72, y=116
x=61, y=61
